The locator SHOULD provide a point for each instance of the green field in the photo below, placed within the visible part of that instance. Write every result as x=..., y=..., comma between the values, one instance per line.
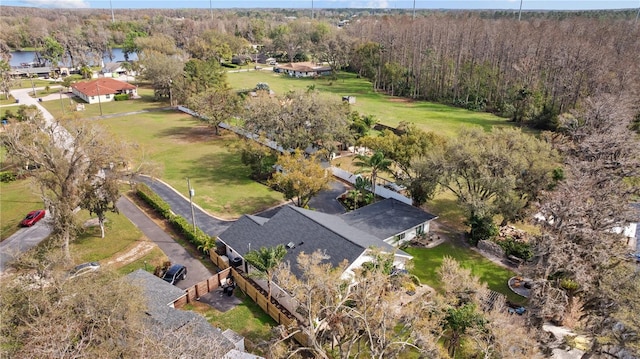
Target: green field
x=55, y=107
x=428, y=260
x=120, y=234
x=17, y=198
x=185, y=147
x=442, y=119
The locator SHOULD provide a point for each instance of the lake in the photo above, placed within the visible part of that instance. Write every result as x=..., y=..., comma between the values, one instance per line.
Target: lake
x=19, y=57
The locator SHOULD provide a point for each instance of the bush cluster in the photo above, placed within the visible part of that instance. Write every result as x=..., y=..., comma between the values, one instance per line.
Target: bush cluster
x=229, y=65
x=516, y=248
x=121, y=97
x=179, y=223
x=7, y=176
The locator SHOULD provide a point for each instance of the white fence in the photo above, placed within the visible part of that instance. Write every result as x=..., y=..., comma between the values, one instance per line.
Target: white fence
x=340, y=173
x=380, y=191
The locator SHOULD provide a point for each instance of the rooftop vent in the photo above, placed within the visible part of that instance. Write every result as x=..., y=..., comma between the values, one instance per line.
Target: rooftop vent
x=291, y=245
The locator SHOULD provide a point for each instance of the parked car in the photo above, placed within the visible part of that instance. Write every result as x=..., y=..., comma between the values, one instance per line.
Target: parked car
x=84, y=268
x=32, y=218
x=175, y=273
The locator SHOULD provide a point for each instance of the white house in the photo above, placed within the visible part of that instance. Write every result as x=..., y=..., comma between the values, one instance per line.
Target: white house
x=303, y=69
x=102, y=90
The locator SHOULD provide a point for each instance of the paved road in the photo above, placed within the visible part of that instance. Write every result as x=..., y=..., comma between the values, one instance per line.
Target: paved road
x=196, y=271
x=23, y=240
x=180, y=205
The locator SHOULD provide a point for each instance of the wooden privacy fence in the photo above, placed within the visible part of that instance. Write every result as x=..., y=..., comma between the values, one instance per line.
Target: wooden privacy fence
x=280, y=314
x=202, y=288
x=217, y=260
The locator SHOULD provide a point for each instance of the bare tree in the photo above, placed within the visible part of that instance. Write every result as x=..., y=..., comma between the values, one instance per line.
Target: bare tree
x=68, y=155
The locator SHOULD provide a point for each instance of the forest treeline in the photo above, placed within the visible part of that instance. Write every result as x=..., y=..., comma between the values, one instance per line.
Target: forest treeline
x=529, y=71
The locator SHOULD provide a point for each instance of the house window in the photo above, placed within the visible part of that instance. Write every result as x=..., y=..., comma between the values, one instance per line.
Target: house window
x=107, y=96
x=93, y=97
x=420, y=229
x=399, y=237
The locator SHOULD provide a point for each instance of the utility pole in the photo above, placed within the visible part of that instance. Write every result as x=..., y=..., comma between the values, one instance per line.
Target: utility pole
x=192, y=193
x=414, y=9
x=211, y=10
x=61, y=103
x=311, y=9
x=99, y=101
x=113, y=18
x=638, y=14
x=520, y=11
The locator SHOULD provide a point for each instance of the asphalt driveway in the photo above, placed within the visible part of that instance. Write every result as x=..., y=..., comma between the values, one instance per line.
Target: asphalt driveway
x=196, y=271
x=180, y=206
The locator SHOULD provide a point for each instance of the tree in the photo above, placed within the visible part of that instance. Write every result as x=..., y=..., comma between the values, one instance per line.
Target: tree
x=52, y=51
x=69, y=154
x=203, y=75
x=101, y=195
x=357, y=315
x=300, y=177
x=580, y=241
x=501, y=171
x=5, y=78
x=258, y=157
x=129, y=46
x=216, y=105
x=374, y=164
x=298, y=120
x=162, y=71
x=265, y=260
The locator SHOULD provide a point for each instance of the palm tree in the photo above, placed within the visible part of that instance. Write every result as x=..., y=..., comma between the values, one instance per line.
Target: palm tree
x=374, y=163
x=265, y=260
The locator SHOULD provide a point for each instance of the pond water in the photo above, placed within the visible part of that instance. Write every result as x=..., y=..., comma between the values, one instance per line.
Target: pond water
x=19, y=57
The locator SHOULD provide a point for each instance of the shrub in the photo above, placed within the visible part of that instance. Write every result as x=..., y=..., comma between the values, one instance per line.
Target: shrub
x=121, y=97
x=7, y=176
x=229, y=65
x=179, y=223
x=516, y=248
x=151, y=198
x=482, y=228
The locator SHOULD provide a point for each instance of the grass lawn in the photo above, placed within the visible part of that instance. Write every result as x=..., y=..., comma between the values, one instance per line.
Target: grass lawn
x=17, y=198
x=23, y=83
x=120, y=235
x=428, y=260
x=185, y=147
x=9, y=101
x=145, y=103
x=246, y=319
x=147, y=262
x=442, y=119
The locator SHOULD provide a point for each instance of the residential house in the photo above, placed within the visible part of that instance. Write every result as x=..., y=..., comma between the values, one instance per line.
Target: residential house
x=114, y=69
x=345, y=237
x=102, y=90
x=390, y=220
x=303, y=69
x=189, y=334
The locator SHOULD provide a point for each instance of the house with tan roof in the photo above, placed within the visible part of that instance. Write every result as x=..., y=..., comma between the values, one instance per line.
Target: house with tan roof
x=303, y=69
x=102, y=90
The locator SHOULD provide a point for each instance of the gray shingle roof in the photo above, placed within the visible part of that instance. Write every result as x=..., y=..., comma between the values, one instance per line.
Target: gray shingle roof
x=163, y=318
x=307, y=230
x=386, y=218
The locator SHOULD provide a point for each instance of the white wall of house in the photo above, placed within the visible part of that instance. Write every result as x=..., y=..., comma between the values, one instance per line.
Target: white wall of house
x=93, y=99
x=408, y=235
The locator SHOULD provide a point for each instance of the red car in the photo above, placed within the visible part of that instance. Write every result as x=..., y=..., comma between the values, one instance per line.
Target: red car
x=32, y=218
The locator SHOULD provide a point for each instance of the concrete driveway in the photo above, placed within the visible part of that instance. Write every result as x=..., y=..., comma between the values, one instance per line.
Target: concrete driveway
x=196, y=271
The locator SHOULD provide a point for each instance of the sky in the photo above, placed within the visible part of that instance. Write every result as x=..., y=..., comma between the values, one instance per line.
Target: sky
x=319, y=4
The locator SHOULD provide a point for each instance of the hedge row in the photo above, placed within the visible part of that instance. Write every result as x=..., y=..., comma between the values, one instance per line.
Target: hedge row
x=200, y=239
x=121, y=97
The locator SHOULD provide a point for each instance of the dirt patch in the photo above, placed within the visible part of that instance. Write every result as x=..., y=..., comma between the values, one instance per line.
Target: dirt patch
x=138, y=251
x=400, y=100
